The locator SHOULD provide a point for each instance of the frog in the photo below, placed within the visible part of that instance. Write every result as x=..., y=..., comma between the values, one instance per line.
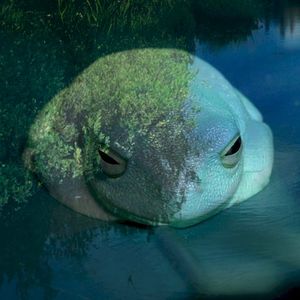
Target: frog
x=154, y=136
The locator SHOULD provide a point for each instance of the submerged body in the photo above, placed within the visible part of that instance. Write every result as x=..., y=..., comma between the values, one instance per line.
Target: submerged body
x=155, y=136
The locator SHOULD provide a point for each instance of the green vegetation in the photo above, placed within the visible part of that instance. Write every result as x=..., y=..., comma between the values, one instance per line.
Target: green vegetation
x=109, y=15
x=31, y=72
x=86, y=19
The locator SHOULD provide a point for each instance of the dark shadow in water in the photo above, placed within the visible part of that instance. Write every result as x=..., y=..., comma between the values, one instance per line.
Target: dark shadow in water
x=45, y=233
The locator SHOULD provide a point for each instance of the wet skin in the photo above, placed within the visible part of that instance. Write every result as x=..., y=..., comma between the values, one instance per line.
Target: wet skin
x=155, y=136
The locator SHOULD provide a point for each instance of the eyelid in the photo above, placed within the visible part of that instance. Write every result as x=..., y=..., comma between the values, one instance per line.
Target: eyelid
x=231, y=160
x=108, y=158
x=230, y=144
x=112, y=154
x=112, y=169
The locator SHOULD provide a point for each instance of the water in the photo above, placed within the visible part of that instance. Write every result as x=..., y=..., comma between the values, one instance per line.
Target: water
x=251, y=250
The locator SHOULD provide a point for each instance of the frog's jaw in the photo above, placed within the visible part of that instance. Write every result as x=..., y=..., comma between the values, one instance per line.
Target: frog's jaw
x=258, y=160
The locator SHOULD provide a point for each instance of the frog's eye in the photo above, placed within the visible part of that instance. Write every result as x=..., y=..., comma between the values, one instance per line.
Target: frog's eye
x=231, y=155
x=112, y=164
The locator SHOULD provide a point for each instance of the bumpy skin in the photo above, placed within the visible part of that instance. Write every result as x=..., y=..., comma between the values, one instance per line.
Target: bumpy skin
x=170, y=116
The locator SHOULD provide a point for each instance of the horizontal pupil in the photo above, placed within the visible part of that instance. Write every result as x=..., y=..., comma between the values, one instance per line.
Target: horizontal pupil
x=235, y=147
x=107, y=158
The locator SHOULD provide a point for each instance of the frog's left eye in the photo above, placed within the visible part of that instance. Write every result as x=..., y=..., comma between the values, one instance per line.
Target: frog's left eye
x=112, y=164
x=231, y=155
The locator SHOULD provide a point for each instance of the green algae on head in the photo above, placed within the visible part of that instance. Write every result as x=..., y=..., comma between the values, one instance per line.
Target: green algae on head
x=129, y=93
x=155, y=136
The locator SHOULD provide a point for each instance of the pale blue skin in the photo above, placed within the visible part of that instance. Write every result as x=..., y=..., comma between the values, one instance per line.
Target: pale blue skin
x=224, y=112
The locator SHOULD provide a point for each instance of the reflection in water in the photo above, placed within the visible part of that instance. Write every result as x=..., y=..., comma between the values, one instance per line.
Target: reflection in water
x=290, y=27
x=290, y=19
x=287, y=15
x=50, y=252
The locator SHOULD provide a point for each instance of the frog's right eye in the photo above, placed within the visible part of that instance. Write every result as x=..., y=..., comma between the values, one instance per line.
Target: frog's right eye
x=112, y=164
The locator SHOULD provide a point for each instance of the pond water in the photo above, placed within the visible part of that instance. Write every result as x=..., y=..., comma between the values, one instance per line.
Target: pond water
x=251, y=250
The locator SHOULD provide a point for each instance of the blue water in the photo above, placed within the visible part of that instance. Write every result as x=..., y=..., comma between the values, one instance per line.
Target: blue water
x=252, y=249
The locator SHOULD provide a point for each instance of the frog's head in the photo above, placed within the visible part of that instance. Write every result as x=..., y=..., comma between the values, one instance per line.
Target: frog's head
x=158, y=135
